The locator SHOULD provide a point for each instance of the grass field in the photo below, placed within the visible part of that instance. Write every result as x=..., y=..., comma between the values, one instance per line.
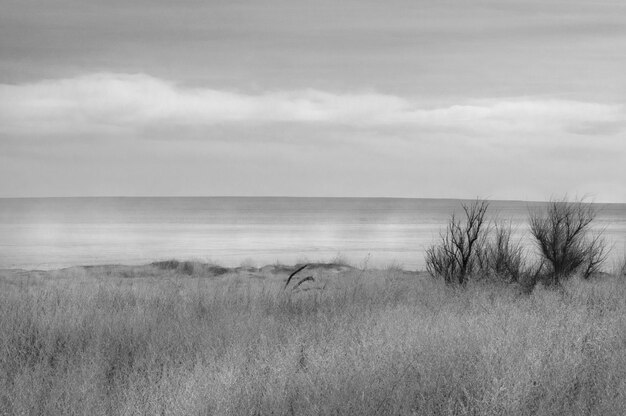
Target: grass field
x=190, y=339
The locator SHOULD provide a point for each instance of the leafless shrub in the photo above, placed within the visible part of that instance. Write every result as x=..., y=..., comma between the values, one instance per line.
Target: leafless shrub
x=561, y=234
x=531, y=274
x=501, y=256
x=456, y=255
x=597, y=254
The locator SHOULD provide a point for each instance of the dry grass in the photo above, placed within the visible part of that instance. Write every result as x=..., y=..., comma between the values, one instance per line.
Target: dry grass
x=159, y=340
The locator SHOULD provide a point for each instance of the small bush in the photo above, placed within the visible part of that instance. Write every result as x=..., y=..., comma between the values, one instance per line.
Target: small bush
x=561, y=233
x=457, y=254
x=501, y=256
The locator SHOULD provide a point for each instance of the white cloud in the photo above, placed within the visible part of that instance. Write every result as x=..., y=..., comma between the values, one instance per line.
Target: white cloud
x=108, y=102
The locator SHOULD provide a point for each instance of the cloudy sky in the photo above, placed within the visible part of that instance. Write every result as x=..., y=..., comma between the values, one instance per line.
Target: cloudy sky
x=506, y=99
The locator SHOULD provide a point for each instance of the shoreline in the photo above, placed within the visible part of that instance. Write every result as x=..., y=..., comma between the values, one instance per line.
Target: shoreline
x=249, y=265
x=197, y=269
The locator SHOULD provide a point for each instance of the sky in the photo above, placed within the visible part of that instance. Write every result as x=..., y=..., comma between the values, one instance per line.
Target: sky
x=500, y=99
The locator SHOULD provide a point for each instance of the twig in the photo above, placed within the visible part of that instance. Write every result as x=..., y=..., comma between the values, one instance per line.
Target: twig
x=293, y=274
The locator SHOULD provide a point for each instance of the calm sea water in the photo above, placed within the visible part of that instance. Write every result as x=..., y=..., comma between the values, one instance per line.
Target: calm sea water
x=58, y=232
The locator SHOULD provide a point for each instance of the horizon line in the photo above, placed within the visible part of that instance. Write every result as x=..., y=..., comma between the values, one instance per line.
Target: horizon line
x=291, y=197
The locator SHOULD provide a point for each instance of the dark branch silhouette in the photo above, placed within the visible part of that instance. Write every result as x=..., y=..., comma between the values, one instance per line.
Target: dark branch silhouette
x=305, y=279
x=293, y=274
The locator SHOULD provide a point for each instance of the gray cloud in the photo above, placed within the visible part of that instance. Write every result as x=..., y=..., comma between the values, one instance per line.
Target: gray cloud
x=511, y=99
x=427, y=48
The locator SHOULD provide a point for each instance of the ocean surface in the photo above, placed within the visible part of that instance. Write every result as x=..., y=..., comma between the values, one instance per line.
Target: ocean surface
x=48, y=233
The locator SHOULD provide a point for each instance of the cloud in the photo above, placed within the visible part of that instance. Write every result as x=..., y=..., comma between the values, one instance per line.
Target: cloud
x=89, y=136
x=123, y=103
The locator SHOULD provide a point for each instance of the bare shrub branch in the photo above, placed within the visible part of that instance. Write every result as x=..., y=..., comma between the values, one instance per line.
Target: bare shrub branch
x=456, y=255
x=597, y=253
x=502, y=257
x=293, y=274
x=560, y=233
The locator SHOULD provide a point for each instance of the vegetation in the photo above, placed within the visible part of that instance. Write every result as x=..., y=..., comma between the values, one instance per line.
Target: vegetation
x=619, y=267
x=458, y=253
x=501, y=256
x=561, y=232
x=150, y=340
x=186, y=338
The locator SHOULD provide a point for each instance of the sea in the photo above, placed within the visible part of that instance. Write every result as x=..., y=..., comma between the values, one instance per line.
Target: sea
x=51, y=233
